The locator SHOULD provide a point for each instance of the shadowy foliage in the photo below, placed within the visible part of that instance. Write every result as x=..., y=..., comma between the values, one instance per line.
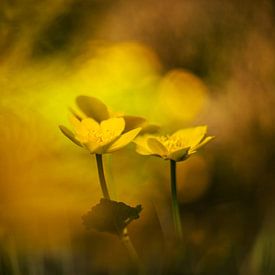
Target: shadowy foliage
x=111, y=216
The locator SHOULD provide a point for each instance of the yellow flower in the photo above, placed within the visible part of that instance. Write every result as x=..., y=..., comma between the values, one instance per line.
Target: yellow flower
x=93, y=108
x=99, y=138
x=178, y=146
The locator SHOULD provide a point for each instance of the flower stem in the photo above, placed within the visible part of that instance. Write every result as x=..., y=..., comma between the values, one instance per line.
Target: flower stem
x=175, y=204
x=101, y=176
x=125, y=238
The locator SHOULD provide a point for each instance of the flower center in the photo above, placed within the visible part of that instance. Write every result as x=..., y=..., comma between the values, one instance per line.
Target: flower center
x=171, y=143
x=100, y=136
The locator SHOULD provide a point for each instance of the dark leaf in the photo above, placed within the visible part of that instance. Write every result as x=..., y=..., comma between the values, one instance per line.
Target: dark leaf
x=111, y=216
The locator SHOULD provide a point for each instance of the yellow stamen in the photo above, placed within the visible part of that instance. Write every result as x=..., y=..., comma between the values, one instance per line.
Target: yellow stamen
x=172, y=143
x=100, y=136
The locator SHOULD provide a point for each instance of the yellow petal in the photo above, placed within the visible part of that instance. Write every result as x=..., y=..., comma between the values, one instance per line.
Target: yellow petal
x=69, y=134
x=113, y=125
x=89, y=124
x=157, y=147
x=123, y=140
x=76, y=114
x=132, y=122
x=93, y=147
x=84, y=128
x=93, y=107
x=149, y=129
x=74, y=121
x=179, y=155
x=115, y=113
x=142, y=145
x=191, y=137
x=205, y=141
x=143, y=150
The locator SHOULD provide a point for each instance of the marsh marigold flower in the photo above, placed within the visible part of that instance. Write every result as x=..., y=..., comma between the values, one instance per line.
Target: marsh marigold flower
x=99, y=138
x=94, y=108
x=178, y=146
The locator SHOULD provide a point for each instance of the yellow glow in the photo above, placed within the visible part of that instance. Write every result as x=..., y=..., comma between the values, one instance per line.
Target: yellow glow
x=193, y=179
x=120, y=73
x=181, y=96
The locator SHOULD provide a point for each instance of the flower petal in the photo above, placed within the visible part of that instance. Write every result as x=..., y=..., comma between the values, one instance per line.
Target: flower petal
x=149, y=129
x=76, y=114
x=132, y=122
x=94, y=148
x=157, y=147
x=204, y=141
x=69, y=134
x=84, y=128
x=115, y=113
x=74, y=121
x=191, y=137
x=93, y=107
x=89, y=124
x=143, y=150
x=142, y=145
x=123, y=140
x=179, y=155
x=113, y=125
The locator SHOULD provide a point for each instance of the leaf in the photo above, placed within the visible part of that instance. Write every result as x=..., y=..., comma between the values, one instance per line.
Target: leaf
x=111, y=216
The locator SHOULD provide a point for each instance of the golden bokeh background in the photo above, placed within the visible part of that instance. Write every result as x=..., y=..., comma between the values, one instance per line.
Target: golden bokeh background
x=177, y=63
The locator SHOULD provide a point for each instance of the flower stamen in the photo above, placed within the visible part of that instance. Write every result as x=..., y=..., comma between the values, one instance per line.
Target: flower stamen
x=171, y=143
x=100, y=136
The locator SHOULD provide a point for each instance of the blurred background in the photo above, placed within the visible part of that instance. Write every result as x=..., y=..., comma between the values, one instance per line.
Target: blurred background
x=178, y=63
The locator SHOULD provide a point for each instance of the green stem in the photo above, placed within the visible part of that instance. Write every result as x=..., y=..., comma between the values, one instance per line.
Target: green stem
x=101, y=176
x=175, y=204
x=125, y=238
